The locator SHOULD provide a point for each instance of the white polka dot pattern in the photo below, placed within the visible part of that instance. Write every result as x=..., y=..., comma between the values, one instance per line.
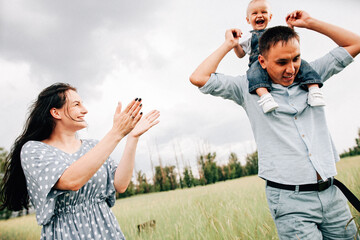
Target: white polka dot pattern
x=82, y=214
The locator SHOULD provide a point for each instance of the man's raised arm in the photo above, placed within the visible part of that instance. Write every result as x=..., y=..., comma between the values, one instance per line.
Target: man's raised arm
x=202, y=73
x=342, y=37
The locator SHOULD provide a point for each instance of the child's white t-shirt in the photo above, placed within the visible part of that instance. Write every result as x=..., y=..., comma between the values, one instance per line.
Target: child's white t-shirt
x=245, y=42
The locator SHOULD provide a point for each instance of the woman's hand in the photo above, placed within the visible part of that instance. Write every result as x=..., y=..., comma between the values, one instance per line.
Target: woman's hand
x=125, y=121
x=145, y=123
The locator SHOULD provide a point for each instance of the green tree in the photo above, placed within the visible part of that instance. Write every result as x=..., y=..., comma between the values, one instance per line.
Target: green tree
x=189, y=179
x=221, y=173
x=3, y=155
x=209, y=169
x=227, y=171
x=162, y=182
x=6, y=213
x=143, y=186
x=355, y=150
x=235, y=168
x=251, y=166
x=171, y=176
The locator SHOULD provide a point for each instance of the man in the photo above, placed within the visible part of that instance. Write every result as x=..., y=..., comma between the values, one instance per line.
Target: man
x=294, y=144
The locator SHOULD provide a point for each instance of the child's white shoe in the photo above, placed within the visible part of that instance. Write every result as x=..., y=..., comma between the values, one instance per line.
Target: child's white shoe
x=267, y=103
x=315, y=97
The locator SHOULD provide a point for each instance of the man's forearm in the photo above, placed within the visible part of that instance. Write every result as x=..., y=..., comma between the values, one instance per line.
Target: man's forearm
x=203, y=72
x=342, y=37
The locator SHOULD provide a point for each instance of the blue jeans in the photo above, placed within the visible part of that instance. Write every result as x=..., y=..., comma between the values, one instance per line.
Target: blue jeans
x=310, y=215
x=258, y=77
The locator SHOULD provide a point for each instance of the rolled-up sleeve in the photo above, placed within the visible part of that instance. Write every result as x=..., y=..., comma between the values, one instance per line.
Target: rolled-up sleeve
x=225, y=86
x=332, y=63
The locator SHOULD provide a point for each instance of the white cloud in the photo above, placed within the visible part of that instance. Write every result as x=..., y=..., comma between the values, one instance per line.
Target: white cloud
x=119, y=50
x=17, y=94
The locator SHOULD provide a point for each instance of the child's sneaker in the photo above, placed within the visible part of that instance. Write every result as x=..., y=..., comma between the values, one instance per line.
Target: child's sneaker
x=315, y=97
x=267, y=103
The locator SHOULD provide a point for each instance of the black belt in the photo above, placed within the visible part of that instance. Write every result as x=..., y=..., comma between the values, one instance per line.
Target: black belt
x=320, y=186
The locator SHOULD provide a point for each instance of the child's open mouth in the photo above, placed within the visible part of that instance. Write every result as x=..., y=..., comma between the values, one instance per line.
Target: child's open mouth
x=260, y=21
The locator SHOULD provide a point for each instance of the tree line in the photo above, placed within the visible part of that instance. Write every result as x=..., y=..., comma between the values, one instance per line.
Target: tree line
x=354, y=150
x=167, y=178
x=170, y=178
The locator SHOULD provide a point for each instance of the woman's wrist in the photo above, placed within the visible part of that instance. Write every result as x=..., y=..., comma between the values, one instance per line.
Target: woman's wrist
x=116, y=135
x=131, y=135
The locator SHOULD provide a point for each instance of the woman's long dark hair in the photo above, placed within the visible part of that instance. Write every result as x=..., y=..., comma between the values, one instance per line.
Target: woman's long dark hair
x=38, y=127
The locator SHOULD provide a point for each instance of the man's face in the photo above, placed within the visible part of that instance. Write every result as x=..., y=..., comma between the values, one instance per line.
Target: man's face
x=282, y=62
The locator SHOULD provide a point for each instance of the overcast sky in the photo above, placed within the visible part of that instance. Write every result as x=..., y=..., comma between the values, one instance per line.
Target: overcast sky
x=119, y=50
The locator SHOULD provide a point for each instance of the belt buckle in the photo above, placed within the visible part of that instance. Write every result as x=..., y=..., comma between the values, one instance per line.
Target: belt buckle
x=323, y=185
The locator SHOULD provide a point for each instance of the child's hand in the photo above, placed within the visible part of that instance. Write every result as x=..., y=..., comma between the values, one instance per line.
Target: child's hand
x=233, y=35
x=236, y=33
x=297, y=18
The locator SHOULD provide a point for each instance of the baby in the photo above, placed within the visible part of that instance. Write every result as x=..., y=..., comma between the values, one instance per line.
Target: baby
x=259, y=15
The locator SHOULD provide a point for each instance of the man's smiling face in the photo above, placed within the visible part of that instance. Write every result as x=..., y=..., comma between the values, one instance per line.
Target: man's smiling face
x=282, y=62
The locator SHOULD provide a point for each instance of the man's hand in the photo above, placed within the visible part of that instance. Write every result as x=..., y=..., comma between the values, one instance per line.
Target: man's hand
x=232, y=36
x=203, y=72
x=298, y=18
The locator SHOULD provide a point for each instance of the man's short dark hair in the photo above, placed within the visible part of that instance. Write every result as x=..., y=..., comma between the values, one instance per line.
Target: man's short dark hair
x=274, y=35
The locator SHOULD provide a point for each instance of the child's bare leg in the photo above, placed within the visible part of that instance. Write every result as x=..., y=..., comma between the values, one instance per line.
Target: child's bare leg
x=261, y=91
x=312, y=85
x=266, y=101
x=315, y=96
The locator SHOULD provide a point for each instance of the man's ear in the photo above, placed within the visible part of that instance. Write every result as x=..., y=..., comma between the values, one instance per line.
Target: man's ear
x=262, y=61
x=55, y=113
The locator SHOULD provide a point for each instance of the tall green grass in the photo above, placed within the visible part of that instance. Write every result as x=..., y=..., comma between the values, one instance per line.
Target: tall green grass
x=235, y=209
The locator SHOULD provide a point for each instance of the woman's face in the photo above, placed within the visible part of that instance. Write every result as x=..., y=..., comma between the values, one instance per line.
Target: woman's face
x=73, y=112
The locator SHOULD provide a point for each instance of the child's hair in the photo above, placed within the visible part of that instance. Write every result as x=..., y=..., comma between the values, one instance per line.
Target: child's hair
x=252, y=1
x=274, y=35
x=39, y=126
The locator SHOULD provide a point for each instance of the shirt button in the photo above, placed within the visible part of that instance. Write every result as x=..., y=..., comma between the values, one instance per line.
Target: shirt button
x=310, y=155
x=295, y=118
x=303, y=135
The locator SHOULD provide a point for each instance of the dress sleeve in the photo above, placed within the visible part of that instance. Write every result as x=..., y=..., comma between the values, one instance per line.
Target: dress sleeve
x=42, y=167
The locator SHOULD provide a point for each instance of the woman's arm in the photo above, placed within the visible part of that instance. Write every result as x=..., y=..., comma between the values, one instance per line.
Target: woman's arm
x=80, y=172
x=125, y=168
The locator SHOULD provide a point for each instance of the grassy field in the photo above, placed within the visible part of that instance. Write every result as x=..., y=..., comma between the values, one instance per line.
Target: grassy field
x=235, y=209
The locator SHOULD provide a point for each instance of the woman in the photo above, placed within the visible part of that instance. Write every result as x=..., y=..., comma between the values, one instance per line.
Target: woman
x=71, y=182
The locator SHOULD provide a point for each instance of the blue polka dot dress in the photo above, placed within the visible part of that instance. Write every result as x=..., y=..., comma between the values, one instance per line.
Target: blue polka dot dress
x=82, y=214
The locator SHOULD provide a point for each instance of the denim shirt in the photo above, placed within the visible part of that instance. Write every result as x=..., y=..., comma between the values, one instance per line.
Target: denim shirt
x=293, y=141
